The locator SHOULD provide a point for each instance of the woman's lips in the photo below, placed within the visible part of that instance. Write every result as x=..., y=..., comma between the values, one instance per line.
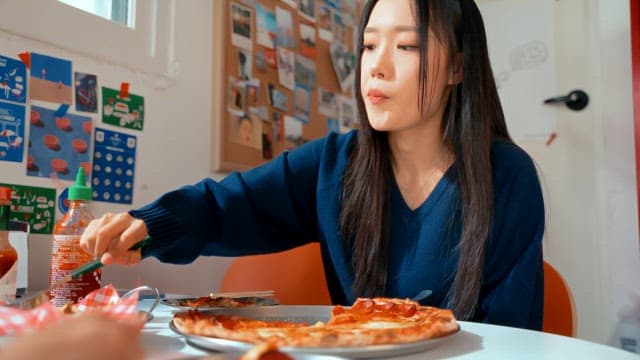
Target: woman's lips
x=376, y=96
x=376, y=99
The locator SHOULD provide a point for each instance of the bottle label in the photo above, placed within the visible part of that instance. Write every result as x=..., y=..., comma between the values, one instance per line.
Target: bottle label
x=8, y=284
x=66, y=256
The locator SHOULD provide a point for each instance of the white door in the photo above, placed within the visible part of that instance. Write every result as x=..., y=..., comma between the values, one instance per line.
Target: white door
x=588, y=171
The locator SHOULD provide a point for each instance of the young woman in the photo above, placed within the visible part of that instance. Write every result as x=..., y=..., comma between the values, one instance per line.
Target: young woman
x=431, y=194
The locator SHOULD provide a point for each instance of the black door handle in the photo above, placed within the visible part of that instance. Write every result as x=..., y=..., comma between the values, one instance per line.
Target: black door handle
x=575, y=100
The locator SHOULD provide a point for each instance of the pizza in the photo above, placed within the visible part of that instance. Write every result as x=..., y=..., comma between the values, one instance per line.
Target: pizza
x=219, y=301
x=376, y=321
x=69, y=308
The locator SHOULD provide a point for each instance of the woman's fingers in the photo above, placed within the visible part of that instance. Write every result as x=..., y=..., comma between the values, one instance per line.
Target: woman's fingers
x=129, y=258
x=110, y=237
x=88, y=240
x=119, y=249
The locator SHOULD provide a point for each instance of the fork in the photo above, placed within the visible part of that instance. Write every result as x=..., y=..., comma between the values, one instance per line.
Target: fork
x=422, y=295
x=240, y=294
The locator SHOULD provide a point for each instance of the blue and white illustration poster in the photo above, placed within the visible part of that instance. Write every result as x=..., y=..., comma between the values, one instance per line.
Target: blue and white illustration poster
x=13, y=80
x=114, y=166
x=50, y=79
x=58, y=144
x=11, y=132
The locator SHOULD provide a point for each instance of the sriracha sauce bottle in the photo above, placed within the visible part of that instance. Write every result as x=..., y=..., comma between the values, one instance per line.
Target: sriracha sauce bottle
x=66, y=254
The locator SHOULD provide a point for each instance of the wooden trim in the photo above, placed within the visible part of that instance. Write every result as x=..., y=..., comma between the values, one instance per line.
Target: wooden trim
x=217, y=81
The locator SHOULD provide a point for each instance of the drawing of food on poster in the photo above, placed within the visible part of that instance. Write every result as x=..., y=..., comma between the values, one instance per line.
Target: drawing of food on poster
x=114, y=166
x=86, y=92
x=34, y=205
x=58, y=144
x=13, y=80
x=125, y=112
x=11, y=132
x=50, y=79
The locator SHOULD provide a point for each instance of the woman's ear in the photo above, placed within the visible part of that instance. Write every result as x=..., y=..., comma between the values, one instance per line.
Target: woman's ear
x=456, y=73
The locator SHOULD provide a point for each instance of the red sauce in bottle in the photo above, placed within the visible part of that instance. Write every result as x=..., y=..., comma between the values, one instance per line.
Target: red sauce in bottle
x=8, y=255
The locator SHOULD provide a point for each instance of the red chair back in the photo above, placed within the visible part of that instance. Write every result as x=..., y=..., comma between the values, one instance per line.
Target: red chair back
x=296, y=275
x=559, y=315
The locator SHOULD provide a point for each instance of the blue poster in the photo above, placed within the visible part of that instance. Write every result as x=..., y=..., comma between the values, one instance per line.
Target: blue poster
x=114, y=165
x=58, y=145
x=13, y=80
x=50, y=79
x=11, y=132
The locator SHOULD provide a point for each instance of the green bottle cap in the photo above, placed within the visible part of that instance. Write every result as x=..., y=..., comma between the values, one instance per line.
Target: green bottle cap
x=79, y=190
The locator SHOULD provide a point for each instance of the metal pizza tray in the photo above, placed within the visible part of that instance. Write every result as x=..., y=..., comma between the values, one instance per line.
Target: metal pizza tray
x=178, y=302
x=237, y=355
x=310, y=315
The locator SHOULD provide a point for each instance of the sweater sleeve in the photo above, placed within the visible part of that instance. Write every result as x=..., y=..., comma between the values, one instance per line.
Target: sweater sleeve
x=512, y=292
x=266, y=209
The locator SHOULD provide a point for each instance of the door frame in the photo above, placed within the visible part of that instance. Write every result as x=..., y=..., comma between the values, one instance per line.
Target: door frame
x=634, y=10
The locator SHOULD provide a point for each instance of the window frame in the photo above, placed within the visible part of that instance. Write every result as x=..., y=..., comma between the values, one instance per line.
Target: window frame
x=146, y=47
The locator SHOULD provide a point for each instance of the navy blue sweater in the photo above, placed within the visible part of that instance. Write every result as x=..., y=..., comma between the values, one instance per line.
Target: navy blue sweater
x=295, y=199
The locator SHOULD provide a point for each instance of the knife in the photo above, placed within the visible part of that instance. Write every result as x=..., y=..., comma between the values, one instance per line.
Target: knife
x=42, y=296
x=93, y=265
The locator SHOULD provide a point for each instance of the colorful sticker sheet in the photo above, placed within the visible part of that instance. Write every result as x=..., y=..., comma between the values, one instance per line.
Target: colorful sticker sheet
x=35, y=205
x=58, y=144
x=125, y=112
x=11, y=132
x=114, y=164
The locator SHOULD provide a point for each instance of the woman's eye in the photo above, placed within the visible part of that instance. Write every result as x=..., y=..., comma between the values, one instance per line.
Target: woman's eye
x=368, y=47
x=408, y=47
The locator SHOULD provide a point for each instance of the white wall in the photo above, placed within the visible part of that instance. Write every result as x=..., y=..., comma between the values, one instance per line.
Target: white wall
x=173, y=149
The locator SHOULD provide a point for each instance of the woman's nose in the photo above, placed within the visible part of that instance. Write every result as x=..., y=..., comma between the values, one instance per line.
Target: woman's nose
x=377, y=73
x=380, y=67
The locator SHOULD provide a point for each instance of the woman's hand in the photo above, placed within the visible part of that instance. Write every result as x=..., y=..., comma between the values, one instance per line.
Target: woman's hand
x=84, y=336
x=111, y=236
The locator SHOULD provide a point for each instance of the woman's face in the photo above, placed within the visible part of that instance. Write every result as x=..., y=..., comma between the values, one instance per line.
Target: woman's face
x=390, y=66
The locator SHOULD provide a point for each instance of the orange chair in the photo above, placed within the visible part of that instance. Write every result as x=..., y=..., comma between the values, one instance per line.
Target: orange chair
x=296, y=275
x=559, y=314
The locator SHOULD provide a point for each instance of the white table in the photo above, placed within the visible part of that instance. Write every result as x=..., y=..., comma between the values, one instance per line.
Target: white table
x=474, y=341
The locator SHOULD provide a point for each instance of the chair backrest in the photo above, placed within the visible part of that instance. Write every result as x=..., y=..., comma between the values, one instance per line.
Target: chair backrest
x=559, y=314
x=296, y=275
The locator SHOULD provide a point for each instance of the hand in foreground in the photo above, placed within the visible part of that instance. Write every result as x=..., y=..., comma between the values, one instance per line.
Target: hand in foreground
x=110, y=237
x=86, y=336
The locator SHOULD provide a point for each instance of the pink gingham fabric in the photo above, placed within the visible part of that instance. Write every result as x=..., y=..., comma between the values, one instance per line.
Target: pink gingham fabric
x=17, y=321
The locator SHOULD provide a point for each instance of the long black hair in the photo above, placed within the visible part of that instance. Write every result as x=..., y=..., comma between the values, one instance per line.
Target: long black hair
x=473, y=118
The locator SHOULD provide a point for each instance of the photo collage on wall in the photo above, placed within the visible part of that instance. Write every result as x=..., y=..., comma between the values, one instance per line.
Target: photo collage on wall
x=47, y=122
x=272, y=88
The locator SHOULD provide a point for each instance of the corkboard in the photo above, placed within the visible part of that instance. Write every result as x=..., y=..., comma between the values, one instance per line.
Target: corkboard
x=233, y=154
